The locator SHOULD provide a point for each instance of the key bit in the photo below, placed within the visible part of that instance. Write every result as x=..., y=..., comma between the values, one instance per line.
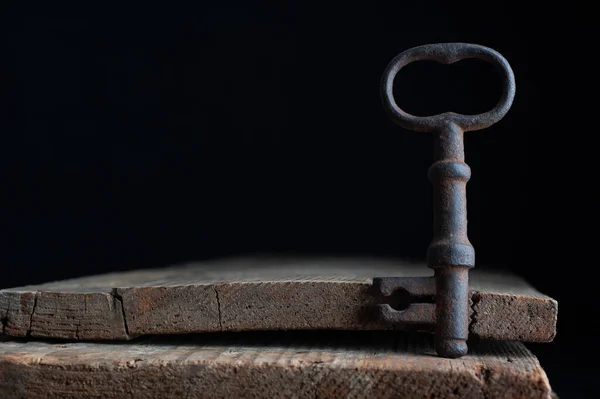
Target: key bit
x=415, y=288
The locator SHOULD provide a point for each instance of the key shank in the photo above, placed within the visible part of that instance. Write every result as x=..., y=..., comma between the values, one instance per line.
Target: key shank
x=450, y=253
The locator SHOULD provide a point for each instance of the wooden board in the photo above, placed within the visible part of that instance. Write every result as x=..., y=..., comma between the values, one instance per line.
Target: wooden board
x=269, y=365
x=239, y=294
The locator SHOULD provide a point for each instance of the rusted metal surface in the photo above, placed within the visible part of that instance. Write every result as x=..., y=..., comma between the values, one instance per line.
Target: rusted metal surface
x=450, y=253
x=416, y=291
x=416, y=313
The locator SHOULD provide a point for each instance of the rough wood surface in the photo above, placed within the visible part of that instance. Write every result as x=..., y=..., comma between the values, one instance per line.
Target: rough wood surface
x=269, y=365
x=256, y=294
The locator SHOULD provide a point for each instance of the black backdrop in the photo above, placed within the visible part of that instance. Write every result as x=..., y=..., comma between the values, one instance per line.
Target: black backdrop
x=150, y=136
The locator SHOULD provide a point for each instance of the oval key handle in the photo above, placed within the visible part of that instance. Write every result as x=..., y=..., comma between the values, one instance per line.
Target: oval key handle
x=450, y=253
x=447, y=53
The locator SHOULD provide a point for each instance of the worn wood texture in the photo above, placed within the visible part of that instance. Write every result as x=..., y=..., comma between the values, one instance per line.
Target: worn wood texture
x=269, y=365
x=240, y=294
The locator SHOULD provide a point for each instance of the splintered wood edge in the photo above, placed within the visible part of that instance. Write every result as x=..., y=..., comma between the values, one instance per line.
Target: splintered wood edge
x=250, y=294
x=262, y=365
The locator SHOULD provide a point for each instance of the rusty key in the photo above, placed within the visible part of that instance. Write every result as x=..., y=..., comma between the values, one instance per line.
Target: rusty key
x=450, y=253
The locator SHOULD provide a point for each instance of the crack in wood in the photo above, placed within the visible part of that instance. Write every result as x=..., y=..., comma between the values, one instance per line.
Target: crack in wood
x=474, y=299
x=78, y=326
x=4, y=318
x=485, y=375
x=119, y=301
x=30, y=328
x=218, y=308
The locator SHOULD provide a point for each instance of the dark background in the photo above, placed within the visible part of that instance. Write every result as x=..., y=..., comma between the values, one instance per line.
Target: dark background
x=150, y=136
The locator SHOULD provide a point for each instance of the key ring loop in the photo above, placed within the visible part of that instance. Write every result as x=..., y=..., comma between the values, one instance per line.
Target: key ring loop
x=448, y=53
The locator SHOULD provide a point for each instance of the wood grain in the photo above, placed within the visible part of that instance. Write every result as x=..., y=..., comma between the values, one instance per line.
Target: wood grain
x=269, y=365
x=256, y=293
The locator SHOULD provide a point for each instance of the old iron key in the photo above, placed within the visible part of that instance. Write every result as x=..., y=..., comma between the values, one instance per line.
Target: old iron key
x=450, y=253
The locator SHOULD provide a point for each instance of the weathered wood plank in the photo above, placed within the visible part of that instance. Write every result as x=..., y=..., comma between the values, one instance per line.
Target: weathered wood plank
x=68, y=315
x=17, y=309
x=240, y=294
x=269, y=365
